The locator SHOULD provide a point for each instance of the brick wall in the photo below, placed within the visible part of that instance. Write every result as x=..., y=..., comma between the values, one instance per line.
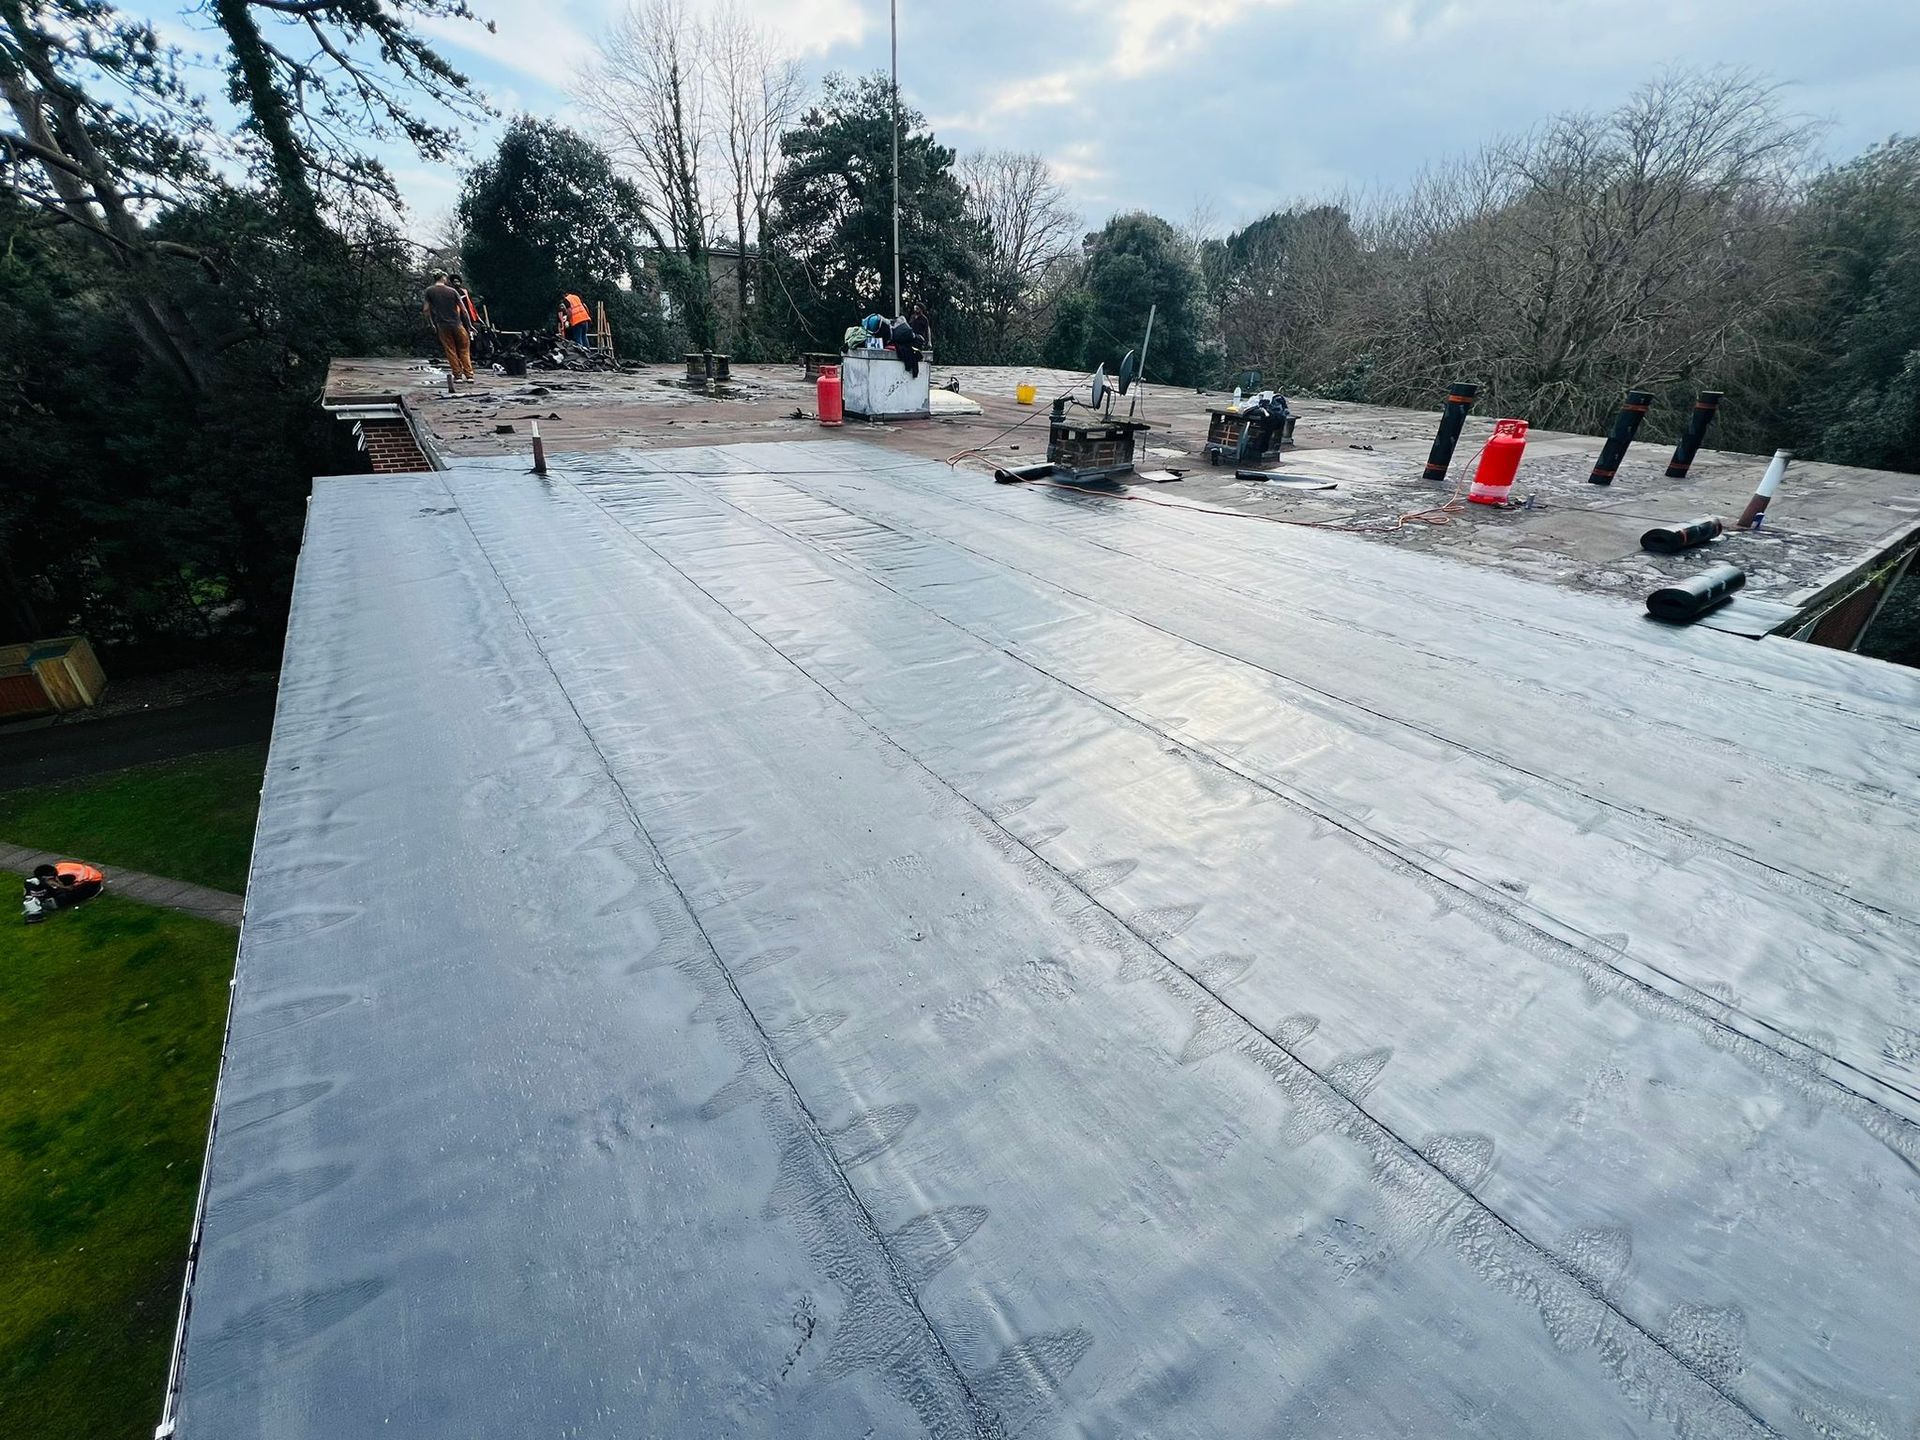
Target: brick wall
x=391, y=447
x=1840, y=627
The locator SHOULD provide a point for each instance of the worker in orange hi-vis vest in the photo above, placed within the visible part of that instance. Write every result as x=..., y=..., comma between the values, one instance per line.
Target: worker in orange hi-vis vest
x=468, y=311
x=574, y=318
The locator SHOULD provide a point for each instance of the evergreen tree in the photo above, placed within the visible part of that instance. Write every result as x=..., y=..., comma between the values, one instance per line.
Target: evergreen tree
x=546, y=215
x=1135, y=263
x=163, y=334
x=830, y=232
x=1861, y=404
x=323, y=78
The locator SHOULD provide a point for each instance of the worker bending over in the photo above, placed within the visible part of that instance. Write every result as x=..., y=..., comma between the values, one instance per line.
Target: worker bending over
x=574, y=318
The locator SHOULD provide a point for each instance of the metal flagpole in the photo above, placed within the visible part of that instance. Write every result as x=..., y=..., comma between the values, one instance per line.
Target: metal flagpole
x=893, y=16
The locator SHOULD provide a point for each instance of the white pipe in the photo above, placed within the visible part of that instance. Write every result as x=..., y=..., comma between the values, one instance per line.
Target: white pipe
x=1750, y=518
x=1776, y=472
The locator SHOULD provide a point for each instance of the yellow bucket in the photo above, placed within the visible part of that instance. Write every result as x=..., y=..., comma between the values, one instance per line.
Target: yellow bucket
x=1024, y=394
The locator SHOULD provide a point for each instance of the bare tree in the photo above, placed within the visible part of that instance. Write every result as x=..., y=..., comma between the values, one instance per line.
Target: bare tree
x=1201, y=225
x=1646, y=246
x=1286, y=287
x=649, y=95
x=1423, y=305
x=694, y=110
x=1030, y=225
x=757, y=94
x=446, y=234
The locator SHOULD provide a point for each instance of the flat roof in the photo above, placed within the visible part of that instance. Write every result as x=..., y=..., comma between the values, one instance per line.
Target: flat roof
x=1828, y=523
x=797, y=940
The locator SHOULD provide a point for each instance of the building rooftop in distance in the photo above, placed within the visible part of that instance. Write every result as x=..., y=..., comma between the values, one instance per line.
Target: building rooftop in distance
x=1834, y=537
x=794, y=939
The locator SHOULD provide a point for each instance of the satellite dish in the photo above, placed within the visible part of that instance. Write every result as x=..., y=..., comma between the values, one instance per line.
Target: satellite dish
x=1099, y=385
x=1129, y=371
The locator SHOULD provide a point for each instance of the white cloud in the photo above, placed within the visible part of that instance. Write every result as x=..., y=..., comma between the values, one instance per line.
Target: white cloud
x=554, y=39
x=814, y=27
x=1079, y=166
x=544, y=41
x=1141, y=37
x=1058, y=87
x=1152, y=35
x=1016, y=96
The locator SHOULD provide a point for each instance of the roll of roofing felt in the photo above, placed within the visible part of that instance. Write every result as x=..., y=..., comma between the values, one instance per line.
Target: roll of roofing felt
x=1691, y=598
x=1672, y=539
x=1014, y=474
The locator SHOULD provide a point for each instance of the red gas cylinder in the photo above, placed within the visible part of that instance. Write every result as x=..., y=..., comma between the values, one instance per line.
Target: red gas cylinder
x=826, y=391
x=1493, y=477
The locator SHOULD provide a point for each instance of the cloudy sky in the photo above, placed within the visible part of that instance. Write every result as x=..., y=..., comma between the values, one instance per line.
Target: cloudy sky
x=1240, y=106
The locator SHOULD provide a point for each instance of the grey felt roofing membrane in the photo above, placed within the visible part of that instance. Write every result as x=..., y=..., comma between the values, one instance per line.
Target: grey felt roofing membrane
x=791, y=941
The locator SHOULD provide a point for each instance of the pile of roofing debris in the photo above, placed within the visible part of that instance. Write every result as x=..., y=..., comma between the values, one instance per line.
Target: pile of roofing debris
x=514, y=352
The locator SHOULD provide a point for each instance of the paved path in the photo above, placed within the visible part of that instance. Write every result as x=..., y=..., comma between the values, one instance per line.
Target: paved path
x=49, y=754
x=216, y=905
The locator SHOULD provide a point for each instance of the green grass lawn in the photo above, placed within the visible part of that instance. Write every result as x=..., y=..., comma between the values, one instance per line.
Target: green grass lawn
x=110, y=1024
x=186, y=819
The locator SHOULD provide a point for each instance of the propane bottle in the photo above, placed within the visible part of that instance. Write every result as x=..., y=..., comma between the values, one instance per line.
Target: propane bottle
x=826, y=392
x=1493, y=477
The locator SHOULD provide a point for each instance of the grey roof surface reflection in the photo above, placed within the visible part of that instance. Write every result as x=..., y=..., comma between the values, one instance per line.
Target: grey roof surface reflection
x=789, y=940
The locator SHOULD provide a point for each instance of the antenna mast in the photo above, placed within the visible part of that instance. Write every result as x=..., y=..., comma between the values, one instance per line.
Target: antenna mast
x=1141, y=373
x=893, y=16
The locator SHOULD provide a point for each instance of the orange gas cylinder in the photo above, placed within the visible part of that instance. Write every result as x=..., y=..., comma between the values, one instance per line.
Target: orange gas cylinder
x=826, y=391
x=1493, y=477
